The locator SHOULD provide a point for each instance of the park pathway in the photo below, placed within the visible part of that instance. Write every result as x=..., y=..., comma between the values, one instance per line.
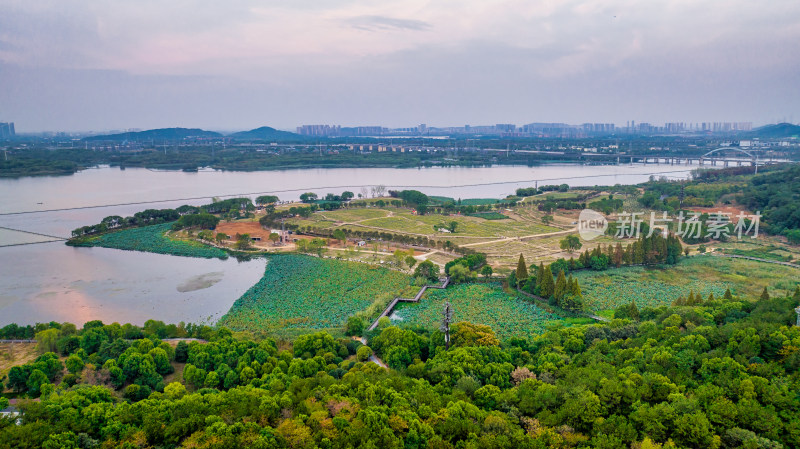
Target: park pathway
x=524, y=237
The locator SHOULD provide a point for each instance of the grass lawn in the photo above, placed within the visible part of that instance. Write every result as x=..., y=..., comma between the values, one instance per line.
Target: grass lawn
x=350, y=215
x=701, y=274
x=404, y=221
x=400, y=220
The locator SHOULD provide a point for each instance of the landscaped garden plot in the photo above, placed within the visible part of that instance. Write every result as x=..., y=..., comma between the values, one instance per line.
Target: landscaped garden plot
x=404, y=221
x=507, y=315
x=153, y=239
x=464, y=202
x=355, y=214
x=651, y=287
x=303, y=292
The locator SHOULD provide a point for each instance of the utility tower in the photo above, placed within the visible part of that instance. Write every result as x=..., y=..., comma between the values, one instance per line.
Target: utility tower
x=447, y=318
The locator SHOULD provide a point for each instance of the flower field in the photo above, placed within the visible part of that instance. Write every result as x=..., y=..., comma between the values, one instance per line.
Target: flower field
x=650, y=287
x=303, y=292
x=152, y=239
x=508, y=316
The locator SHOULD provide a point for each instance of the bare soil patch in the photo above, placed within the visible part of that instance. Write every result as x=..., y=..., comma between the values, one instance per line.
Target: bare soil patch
x=244, y=227
x=732, y=210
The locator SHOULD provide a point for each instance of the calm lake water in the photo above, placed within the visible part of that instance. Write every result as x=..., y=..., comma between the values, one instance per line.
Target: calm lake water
x=51, y=281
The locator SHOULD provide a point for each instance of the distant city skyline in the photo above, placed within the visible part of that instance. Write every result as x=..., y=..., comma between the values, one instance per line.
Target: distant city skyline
x=529, y=130
x=77, y=66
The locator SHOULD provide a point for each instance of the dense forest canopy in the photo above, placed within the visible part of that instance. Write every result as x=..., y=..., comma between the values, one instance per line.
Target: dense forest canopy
x=720, y=373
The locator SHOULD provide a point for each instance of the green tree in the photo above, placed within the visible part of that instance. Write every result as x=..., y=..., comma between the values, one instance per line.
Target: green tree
x=35, y=381
x=74, y=364
x=728, y=294
x=363, y=353
x=220, y=237
x=161, y=361
x=211, y=380
x=486, y=271
x=452, y=226
x=522, y=269
x=46, y=340
x=572, y=303
x=427, y=270
x=181, y=352
x=469, y=334
x=274, y=237
x=339, y=235
x=547, y=219
x=355, y=326
x=547, y=287
x=460, y=274
x=571, y=243
x=311, y=345
x=764, y=295
x=308, y=197
x=243, y=242
x=561, y=286
x=411, y=261
x=266, y=199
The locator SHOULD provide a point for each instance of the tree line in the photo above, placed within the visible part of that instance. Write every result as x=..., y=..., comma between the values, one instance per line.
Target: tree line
x=186, y=216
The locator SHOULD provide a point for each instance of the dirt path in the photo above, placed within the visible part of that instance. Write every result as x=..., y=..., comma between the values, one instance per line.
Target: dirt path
x=525, y=237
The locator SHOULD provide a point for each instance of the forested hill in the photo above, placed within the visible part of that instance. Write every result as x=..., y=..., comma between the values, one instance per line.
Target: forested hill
x=777, y=195
x=266, y=133
x=776, y=131
x=157, y=135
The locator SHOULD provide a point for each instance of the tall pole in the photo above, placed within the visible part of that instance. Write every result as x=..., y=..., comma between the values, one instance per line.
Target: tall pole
x=447, y=318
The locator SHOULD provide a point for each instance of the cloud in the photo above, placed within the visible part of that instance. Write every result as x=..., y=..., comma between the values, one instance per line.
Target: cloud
x=441, y=62
x=381, y=23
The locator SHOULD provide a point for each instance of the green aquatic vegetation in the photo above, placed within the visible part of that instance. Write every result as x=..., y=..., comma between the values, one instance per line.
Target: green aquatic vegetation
x=153, y=239
x=508, y=315
x=312, y=293
x=657, y=286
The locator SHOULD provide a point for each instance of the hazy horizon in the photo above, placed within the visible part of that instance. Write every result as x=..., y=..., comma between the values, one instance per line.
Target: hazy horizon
x=73, y=66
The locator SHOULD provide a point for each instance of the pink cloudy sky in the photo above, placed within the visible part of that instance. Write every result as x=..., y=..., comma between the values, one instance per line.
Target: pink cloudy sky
x=78, y=65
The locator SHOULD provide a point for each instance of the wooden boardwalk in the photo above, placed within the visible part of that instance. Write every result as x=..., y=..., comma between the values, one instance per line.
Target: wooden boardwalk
x=777, y=262
x=388, y=310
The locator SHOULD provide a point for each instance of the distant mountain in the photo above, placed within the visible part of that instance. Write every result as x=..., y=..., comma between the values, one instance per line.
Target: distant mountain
x=776, y=131
x=158, y=135
x=266, y=133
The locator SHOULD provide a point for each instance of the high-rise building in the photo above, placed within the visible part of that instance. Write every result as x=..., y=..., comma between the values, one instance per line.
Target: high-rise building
x=7, y=130
x=319, y=130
